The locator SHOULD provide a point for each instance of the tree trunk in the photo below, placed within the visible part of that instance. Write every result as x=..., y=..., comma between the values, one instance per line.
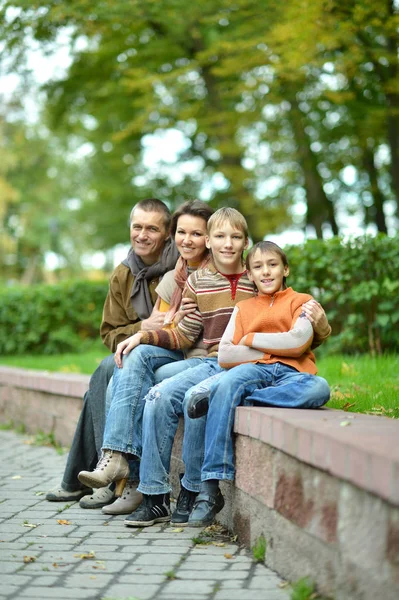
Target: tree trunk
x=378, y=197
x=320, y=209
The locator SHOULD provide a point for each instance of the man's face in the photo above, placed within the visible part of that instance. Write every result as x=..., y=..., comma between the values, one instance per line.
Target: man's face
x=148, y=235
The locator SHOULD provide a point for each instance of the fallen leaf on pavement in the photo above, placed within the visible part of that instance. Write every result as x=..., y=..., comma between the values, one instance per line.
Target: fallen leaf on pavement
x=345, y=423
x=29, y=559
x=63, y=522
x=227, y=555
x=177, y=530
x=90, y=554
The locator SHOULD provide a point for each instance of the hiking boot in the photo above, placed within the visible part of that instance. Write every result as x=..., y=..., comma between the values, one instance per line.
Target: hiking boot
x=206, y=507
x=153, y=509
x=127, y=503
x=101, y=497
x=184, y=506
x=112, y=466
x=61, y=495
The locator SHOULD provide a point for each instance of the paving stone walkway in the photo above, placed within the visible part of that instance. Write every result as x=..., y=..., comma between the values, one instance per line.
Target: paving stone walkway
x=61, y=551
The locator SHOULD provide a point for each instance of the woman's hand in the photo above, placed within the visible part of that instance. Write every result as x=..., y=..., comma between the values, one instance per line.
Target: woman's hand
x=316, y=315
x=125, y=347
x=187, y=306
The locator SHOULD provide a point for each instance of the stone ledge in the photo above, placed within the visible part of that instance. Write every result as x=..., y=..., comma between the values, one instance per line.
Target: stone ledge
x=324, y=496
x=365, y=451
x=63, y=384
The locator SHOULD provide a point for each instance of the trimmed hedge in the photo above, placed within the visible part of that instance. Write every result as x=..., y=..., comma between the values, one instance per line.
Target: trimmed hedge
x=357, y=283
x=51, y=319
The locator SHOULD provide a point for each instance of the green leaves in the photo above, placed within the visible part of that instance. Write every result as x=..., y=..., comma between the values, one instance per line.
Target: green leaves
x=50, y=319
x=356, y=282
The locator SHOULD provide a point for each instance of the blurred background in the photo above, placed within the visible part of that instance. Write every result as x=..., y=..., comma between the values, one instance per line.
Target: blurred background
x=288, y=111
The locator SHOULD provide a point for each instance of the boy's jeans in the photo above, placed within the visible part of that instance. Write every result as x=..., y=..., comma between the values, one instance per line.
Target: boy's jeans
x=252, y=384
x=164, y=405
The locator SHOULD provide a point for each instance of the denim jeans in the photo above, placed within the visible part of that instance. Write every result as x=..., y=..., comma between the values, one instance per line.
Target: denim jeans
x=160, y=374
x=88, y=437
x=164, y=405
x=252, y=384
x=130, y=384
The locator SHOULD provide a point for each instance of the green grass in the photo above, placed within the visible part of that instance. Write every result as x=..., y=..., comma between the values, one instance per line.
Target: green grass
x=67, y=363
x=363, y=384
x=259, y=550
x=358, y=383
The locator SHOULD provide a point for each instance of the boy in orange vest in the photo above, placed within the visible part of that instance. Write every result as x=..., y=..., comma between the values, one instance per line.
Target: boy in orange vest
x=269, y=338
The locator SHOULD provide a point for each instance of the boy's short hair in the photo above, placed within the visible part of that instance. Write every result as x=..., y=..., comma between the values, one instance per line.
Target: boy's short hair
x=235, y=218
x=153, y=205
x=266, y=246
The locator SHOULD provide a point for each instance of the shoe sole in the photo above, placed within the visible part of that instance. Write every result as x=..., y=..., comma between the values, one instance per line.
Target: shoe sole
x=93, y=483
x=146, y=523
x=74, y=498
x=126, y=511
x=175, y=524
x=97, y=505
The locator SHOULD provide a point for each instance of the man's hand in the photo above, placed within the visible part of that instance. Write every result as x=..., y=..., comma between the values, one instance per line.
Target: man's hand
x=123, y=348
x=154, y=321
x=187, y=306
x=316, y=315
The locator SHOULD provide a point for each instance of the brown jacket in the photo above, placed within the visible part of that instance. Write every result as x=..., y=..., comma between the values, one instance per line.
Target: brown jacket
x=120, y=320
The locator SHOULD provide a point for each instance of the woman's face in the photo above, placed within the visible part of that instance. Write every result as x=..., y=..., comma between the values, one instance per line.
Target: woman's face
x=190, y=238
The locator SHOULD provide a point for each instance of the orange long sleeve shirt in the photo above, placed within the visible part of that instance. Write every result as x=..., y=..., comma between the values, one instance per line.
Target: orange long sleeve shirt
x=269, y=329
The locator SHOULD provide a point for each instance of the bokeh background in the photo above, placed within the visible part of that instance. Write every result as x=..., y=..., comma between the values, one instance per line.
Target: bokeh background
x=288, y=111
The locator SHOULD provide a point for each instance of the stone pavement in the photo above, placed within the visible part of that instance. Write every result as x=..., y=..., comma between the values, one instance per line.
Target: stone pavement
x=58, y=550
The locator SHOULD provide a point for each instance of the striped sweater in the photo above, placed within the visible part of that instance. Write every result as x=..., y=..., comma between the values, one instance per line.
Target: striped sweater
x=212, y=293
x=269, y=329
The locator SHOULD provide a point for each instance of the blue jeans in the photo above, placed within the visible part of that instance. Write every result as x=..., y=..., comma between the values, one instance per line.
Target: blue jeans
x=164, y=405
x=129, y=388
x=259, y=384
x=160, y=374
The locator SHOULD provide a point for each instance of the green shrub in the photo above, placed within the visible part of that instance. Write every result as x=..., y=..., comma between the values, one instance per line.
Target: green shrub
x=357, y=283
x=51, y=319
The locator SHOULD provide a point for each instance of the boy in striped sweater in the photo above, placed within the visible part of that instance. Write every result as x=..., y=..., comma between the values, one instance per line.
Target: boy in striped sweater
x=267, y=347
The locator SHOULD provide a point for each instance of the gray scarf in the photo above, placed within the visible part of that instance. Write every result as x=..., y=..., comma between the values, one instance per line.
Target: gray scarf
x=140, y=294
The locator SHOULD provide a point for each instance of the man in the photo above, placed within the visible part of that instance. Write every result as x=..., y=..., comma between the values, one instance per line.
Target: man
x=128, y=309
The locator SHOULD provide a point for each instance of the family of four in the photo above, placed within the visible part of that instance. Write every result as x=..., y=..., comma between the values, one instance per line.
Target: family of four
x=222, y=333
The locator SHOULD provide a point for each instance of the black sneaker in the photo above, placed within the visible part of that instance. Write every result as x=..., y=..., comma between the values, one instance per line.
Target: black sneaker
x=153, y=509
x=184, y=506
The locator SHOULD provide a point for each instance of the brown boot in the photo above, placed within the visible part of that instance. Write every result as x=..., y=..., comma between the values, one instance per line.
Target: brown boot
x=112, y=466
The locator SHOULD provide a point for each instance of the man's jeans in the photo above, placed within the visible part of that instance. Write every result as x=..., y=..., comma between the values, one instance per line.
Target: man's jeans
x=252, y=384
x=164, y=405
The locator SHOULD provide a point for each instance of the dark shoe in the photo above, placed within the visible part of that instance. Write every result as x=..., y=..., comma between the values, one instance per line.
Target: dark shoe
x=205, y=509
x=184, y=506
x=61, y=495
x=153, y=509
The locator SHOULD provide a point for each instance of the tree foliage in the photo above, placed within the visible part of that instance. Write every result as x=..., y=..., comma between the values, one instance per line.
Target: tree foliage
x=274, y=103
